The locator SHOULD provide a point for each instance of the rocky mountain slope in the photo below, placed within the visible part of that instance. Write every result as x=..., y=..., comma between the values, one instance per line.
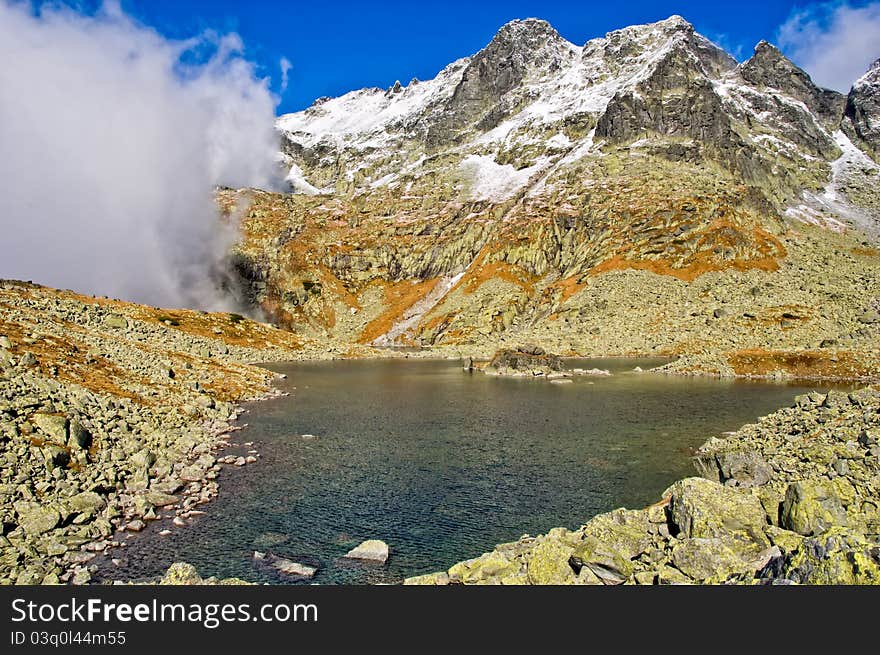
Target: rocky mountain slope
x=642, y=193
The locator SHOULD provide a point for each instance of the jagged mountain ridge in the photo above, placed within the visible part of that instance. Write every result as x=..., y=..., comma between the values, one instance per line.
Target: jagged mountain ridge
x=484, y=202
x=529, y=76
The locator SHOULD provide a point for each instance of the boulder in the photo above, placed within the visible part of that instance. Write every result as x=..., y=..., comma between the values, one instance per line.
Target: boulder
x=811, y=507
x=79, y=438
x=115, y=321
x=53, y=426
x=603, y=560
x=548, y=563
x=439, y=578
x=55, y=456
x=159, y=499
x=287, y=566
x=735, y=468
x=622, y=530
x=494, y=567
x=702, y=509
x=718, y=558
x=181, y=573
x=87, y=502
x=372, y=550
x=35, y=518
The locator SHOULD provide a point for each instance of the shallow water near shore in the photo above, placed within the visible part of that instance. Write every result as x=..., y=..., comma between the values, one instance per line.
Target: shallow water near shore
x=441, y=464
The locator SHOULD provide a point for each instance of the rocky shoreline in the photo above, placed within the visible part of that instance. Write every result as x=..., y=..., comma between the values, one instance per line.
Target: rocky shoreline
x=791, y=499
x=112, y=416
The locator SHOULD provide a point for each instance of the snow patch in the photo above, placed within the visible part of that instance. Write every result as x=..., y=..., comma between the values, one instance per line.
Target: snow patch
x=414, y=314
x=831, y=209
x=490, y=180
x=299, y=184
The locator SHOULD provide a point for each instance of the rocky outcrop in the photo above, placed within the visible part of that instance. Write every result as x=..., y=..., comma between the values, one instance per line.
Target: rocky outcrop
x=525, y=360
x=770, y=69
x=863, y=110
x=793, y=499
x=519, y=51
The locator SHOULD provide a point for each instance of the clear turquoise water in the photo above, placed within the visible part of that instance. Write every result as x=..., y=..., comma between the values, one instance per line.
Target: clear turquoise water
x=443, y=465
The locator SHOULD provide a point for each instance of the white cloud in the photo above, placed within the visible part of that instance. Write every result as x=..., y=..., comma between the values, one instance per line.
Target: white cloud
x=111, y=143
x=835, y=42
x=285, y=69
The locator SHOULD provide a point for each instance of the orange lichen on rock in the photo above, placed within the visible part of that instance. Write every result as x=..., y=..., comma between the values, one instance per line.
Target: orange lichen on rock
x=711, y=250
x=478, y=275
x=567, y=287
x=807, y=364
x=232, y=329
x=399, y=297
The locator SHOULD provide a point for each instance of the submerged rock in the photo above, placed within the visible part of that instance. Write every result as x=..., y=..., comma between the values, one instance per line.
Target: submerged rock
x=287, y=566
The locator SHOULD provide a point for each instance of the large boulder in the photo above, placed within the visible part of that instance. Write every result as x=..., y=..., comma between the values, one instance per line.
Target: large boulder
x=702, y=509
x=87, y=502
x=36, y=518
x=811, y=507
x=53, y=426
x=704, y=559
x=602, y=560
x=623, y=530
x=79, y=437
x=734, y=468
x=548, y=563
x=490, y=568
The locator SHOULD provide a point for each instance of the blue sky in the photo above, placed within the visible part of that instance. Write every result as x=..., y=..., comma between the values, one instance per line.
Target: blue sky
x=335, y=47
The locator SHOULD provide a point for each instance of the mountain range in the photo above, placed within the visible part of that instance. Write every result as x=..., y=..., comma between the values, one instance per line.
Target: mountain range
x=642, y=193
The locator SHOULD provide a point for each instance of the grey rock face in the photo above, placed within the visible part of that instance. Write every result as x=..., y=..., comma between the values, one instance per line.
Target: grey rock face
x=863, y=110
x=768, y=67
x=519, y=49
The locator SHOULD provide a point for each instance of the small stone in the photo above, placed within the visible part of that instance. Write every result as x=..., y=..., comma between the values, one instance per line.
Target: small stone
x=135, y=526
x=81, y=577
x=372, y=550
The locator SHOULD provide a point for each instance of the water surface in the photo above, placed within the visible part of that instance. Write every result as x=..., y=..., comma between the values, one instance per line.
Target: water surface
x=442, y=464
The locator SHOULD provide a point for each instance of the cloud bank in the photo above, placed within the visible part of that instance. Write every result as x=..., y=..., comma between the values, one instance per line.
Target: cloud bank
x=834, y=42
x=112, y=139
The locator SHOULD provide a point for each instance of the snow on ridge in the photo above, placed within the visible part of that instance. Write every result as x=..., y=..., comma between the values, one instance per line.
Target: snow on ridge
x=831, y=209
x=368, y=111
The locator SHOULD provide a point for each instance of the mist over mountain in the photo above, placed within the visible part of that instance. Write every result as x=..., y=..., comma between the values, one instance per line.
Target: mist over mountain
x=112, y=139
